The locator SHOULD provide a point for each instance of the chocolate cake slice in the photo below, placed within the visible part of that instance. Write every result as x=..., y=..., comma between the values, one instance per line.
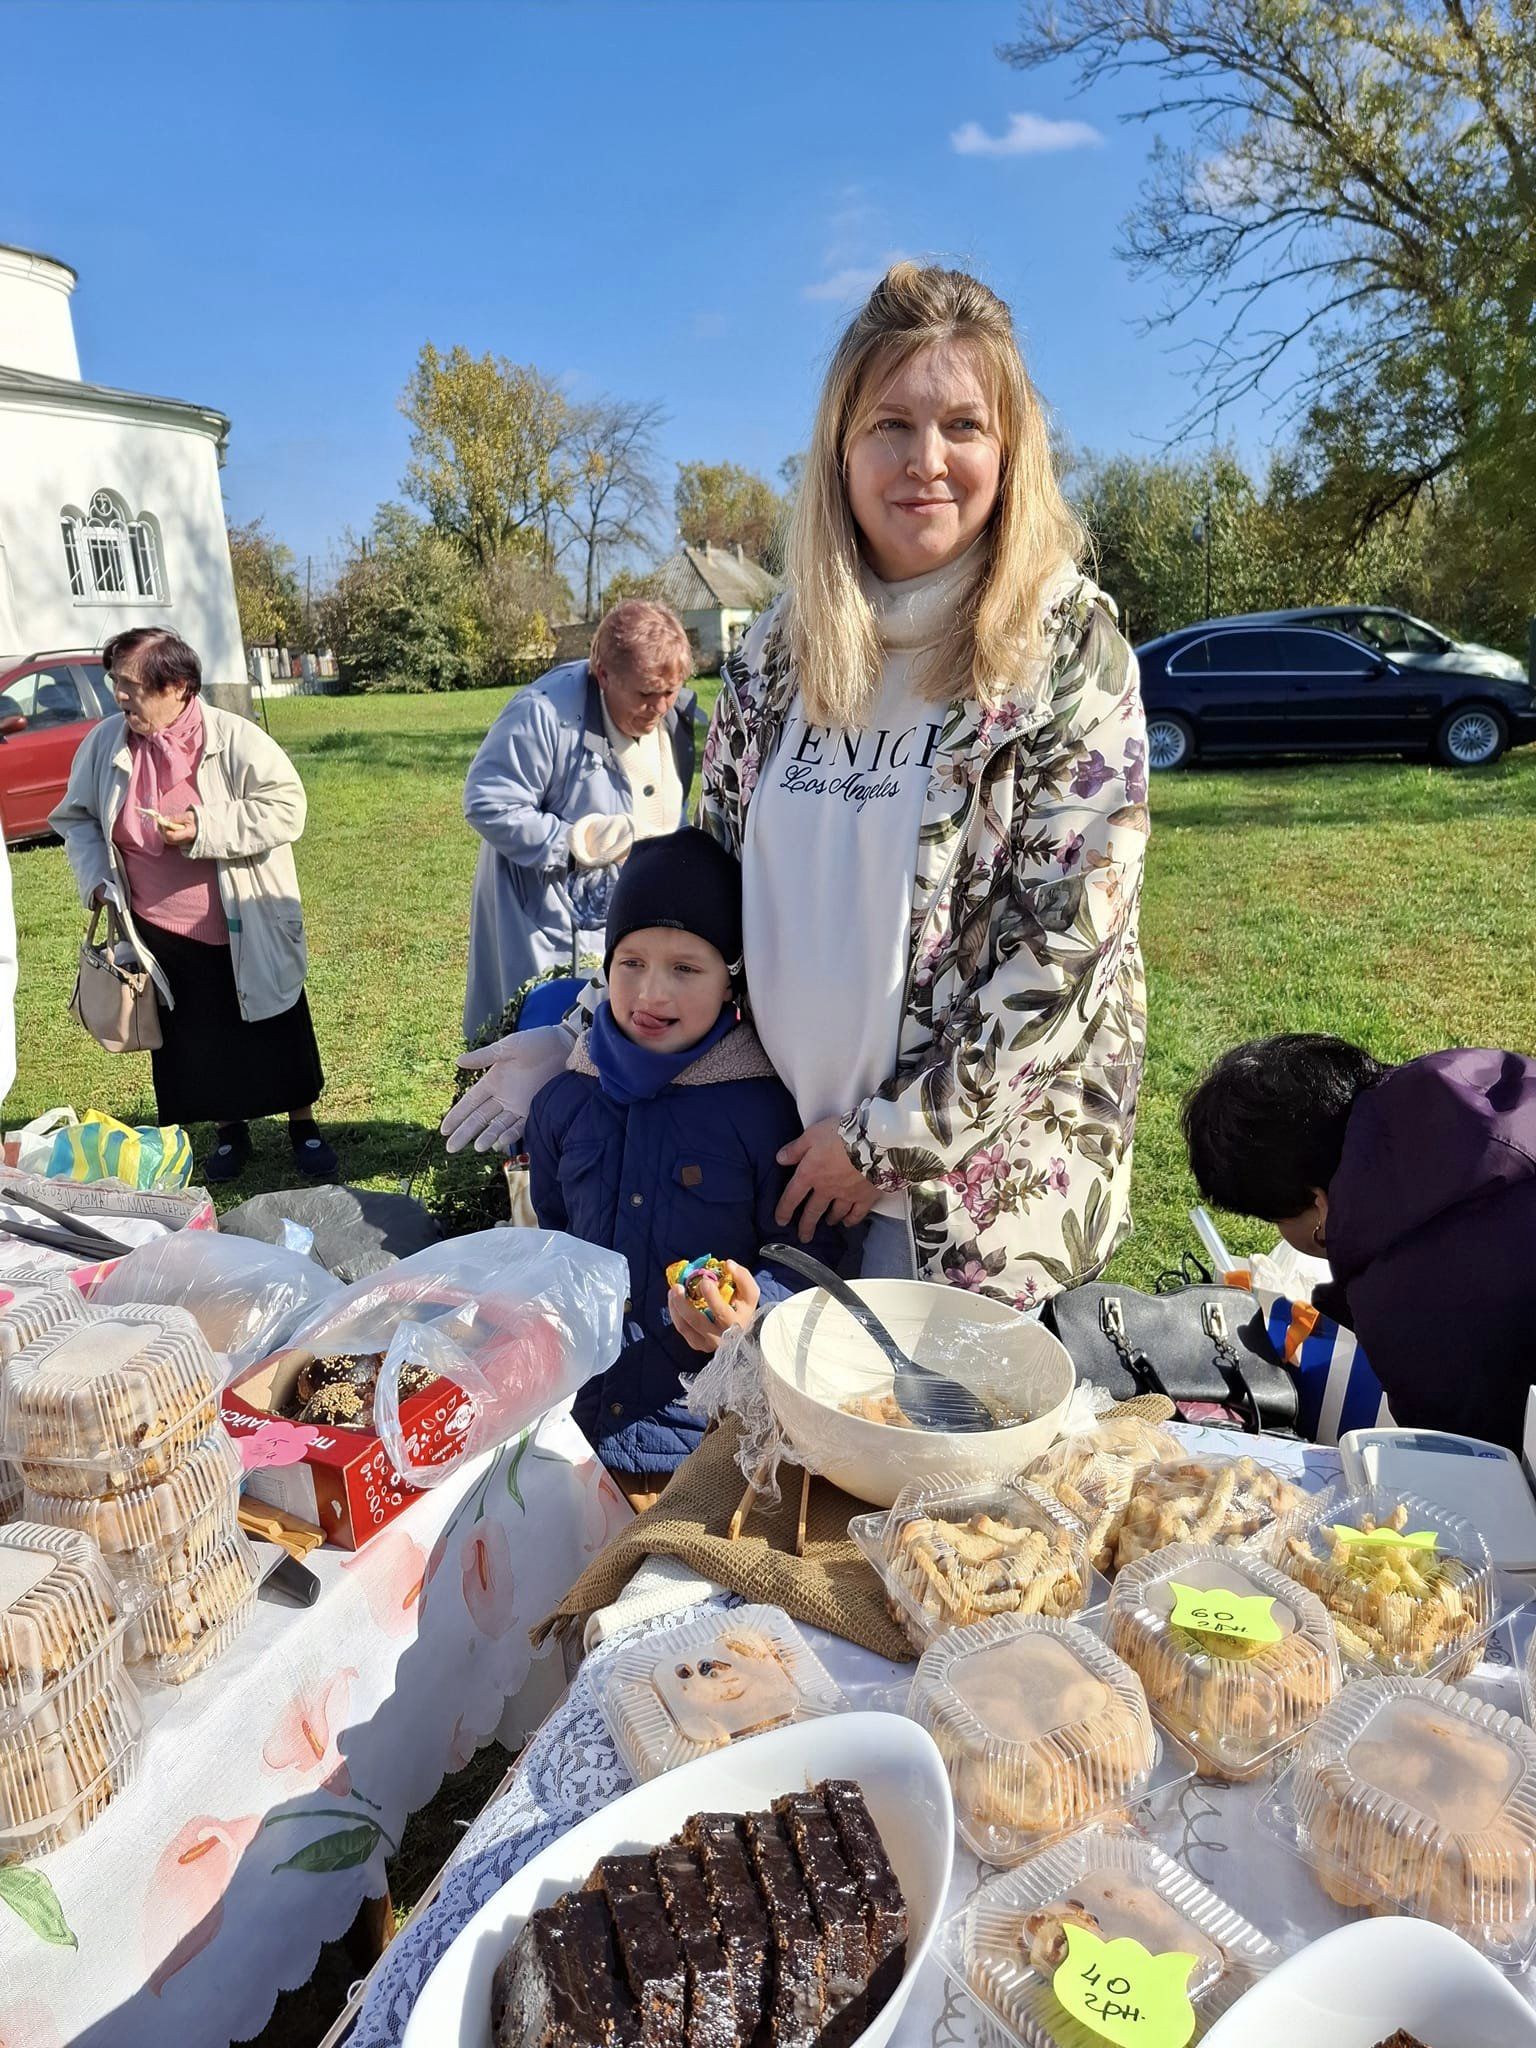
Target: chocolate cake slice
x=740, y=1915
x=711, y=2013
x=649, y=1952
x=885, y=1910
x=558, y=1986
x=799, y=1952
x=838, y=1905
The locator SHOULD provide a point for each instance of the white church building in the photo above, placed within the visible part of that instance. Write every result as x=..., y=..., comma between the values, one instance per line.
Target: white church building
x=110, y=509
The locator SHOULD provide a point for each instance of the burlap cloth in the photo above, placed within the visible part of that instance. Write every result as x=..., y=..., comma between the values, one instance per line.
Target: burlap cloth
x=830, y=1587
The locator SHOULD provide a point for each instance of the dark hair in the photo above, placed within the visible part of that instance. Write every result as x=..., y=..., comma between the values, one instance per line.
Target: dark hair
x=166, y=658
x=1265, y=1128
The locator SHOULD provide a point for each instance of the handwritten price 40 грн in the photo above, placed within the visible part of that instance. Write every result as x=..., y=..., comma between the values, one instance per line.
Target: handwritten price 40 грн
x=1124, y=1994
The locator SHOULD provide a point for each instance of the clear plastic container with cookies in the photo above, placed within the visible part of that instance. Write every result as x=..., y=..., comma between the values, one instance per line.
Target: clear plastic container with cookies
x=1237, y=1660
x=953, y=1552
x=1093, y=1474
x=688, y=1690
x=1237, y=1501
x=198, y=1616
x=31, y=1314
x=1042, y=1729
x=11, y=1491
x=61, y=1616
x=1410, y=1796
x=1411, y=1589
x=1008, y=1945
x=109, y=1402
x=153, y=1536
x=67, y=1761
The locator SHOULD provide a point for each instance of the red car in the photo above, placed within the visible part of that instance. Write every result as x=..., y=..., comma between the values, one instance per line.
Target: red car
x=48, y=703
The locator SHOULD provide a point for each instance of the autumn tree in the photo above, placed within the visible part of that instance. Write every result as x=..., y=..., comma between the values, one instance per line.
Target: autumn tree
x=1353, y=220
x=267, y=592
x=609, y=458
x=486, y=442
x=720, y=504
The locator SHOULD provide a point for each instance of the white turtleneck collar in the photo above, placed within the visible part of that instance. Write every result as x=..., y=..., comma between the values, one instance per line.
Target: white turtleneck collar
x=916, y=612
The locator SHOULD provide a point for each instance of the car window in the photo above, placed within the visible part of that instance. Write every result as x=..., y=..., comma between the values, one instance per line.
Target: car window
x=99, y=701
x=1246, y=654
x=1193, y=660
x=1393, y=633
x=1328, y=654
x=48, y=695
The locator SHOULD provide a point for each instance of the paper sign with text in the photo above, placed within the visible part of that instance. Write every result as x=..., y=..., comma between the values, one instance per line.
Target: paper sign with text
x=1250, y=1618
x=1123, y=1994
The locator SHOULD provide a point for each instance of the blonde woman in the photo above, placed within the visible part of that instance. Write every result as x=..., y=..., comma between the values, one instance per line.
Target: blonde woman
x=930, y=757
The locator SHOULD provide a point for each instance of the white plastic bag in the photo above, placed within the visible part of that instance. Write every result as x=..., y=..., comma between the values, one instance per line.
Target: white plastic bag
x=34, y=1141
x=516, y=1319
x=245, y=1296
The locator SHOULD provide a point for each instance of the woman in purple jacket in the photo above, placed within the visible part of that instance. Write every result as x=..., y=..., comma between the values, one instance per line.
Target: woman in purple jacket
x=1418, y=1184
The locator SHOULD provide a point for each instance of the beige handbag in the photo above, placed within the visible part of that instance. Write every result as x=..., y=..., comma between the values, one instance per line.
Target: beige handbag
x=115, y=1002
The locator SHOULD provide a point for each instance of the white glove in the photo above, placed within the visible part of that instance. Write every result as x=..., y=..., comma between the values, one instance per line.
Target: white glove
x=599, y=840
x=492, y=1113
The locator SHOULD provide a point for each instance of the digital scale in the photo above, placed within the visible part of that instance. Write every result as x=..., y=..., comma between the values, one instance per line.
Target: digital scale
x=1486, y=1484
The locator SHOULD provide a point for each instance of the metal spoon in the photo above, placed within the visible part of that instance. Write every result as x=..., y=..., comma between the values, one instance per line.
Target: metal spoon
x=930, y=1400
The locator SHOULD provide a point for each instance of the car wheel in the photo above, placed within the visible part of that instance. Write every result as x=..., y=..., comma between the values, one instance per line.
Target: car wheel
x=1470, y=736
x=1170, y=741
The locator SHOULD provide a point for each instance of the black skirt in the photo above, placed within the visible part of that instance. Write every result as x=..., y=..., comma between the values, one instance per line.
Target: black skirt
x=214, y=1067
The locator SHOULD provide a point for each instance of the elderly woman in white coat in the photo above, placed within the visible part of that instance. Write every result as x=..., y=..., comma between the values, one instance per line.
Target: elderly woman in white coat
x=593, y=756
x=183, y=816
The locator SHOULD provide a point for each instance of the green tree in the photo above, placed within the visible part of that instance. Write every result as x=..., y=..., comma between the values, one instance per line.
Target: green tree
x=1354, y=213
x=722, y=505
x=267, y=592
x=405, y=611
x=487, y=437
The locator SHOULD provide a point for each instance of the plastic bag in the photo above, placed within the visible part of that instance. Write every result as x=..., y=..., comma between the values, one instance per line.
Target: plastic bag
x=516, y=1319
x=98, y=1147
x=245, y=1296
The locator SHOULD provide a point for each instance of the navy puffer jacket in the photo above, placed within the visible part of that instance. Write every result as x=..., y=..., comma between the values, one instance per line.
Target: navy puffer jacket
x=692, y=1171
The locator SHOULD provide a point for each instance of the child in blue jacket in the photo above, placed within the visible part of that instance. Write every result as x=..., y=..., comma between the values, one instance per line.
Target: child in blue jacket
x=660, y=1140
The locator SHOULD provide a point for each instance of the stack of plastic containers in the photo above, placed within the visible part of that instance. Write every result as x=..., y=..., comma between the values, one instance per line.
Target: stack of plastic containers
x=113, y=1419
x=70, y=1722
x=25, y=1319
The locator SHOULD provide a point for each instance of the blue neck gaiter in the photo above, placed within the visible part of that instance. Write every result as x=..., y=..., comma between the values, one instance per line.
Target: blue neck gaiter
x=634, y=1073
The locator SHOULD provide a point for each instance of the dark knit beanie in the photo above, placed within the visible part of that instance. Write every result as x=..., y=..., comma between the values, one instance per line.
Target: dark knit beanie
x=686, y=882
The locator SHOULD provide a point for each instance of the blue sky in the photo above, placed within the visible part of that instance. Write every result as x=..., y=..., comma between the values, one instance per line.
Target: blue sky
x=272, y=206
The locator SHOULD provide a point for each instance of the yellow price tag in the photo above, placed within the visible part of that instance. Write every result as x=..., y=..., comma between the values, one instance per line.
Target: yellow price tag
x=1385, y=1539
x=1124, y=1994
x=1211, y=1611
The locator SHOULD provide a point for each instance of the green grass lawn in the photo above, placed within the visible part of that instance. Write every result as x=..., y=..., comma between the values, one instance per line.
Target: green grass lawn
x=1388, y=902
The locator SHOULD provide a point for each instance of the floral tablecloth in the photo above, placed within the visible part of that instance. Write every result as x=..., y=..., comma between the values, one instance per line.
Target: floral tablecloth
x=273, y=1787
x=571, y=1768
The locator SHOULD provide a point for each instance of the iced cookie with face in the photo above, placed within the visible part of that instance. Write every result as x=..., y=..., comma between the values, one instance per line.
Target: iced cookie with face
x=739, y=1685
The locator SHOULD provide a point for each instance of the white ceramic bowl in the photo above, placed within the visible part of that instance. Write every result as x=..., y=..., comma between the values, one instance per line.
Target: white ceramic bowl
x=894, y=1762
x=817, y=1357
x=1361, y=1983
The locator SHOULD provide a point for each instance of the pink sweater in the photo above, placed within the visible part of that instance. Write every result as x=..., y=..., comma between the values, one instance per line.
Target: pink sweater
x=166, y=887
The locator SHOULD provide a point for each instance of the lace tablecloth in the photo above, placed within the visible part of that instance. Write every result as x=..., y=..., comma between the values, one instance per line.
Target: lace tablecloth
x=273, y=1787
x=571, y=1768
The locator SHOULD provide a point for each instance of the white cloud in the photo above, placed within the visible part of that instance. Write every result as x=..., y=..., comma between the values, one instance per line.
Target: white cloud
x=853, y=283
x=1025, y=135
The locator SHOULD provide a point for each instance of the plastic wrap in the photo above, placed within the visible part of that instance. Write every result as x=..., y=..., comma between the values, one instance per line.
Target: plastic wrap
x=1093, y=1473
x=245, y=1296
x=517, y=1320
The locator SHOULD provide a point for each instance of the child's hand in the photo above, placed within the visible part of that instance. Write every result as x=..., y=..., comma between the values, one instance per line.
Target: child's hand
x=696, y=1329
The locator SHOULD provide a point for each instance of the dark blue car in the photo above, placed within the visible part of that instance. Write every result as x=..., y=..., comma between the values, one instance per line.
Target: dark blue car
x=1344, y=681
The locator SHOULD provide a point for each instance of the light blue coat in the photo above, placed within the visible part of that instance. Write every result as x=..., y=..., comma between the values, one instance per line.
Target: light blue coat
x=545, y=763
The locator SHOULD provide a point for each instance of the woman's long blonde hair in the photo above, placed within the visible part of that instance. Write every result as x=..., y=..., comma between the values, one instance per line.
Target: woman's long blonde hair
x=1033, y=532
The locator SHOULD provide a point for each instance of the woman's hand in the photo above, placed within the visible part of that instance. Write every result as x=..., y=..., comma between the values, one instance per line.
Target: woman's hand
x=179, y=828
x=702, y=1332
x=826, y=1186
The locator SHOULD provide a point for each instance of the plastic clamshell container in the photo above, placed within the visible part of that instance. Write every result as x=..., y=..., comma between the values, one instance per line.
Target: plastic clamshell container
x=953, y=1552
x=1003, y=1946
x=1236, y=1501
x=154, y=1535
x=1041, y=1726
x=11, y=1490
x=58, y=1771
x=1400, y=1612
x=1233, y=1703
x=193, y=1621
x=60, y=1613
x=1409, y=1796
x=686, y=1691
x=33, y=1314
x=108, y=1402
x=1092, y=1475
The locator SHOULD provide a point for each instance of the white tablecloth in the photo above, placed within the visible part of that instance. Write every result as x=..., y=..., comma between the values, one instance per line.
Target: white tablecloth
x=571, y=1768
x=274, y=1785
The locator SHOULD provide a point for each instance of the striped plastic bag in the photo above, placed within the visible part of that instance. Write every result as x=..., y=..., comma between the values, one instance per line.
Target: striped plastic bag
x=146, y=1156
x=1336, y=1386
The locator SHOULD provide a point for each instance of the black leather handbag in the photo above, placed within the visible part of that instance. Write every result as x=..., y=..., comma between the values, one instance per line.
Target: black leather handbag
x=1197, y=1343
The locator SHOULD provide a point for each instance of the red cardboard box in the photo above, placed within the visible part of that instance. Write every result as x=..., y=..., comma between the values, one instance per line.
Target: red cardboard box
x=341, y=1479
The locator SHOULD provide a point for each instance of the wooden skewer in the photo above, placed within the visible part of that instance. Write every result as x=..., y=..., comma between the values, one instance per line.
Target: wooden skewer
x=805, y=1501
x=754, y=1487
